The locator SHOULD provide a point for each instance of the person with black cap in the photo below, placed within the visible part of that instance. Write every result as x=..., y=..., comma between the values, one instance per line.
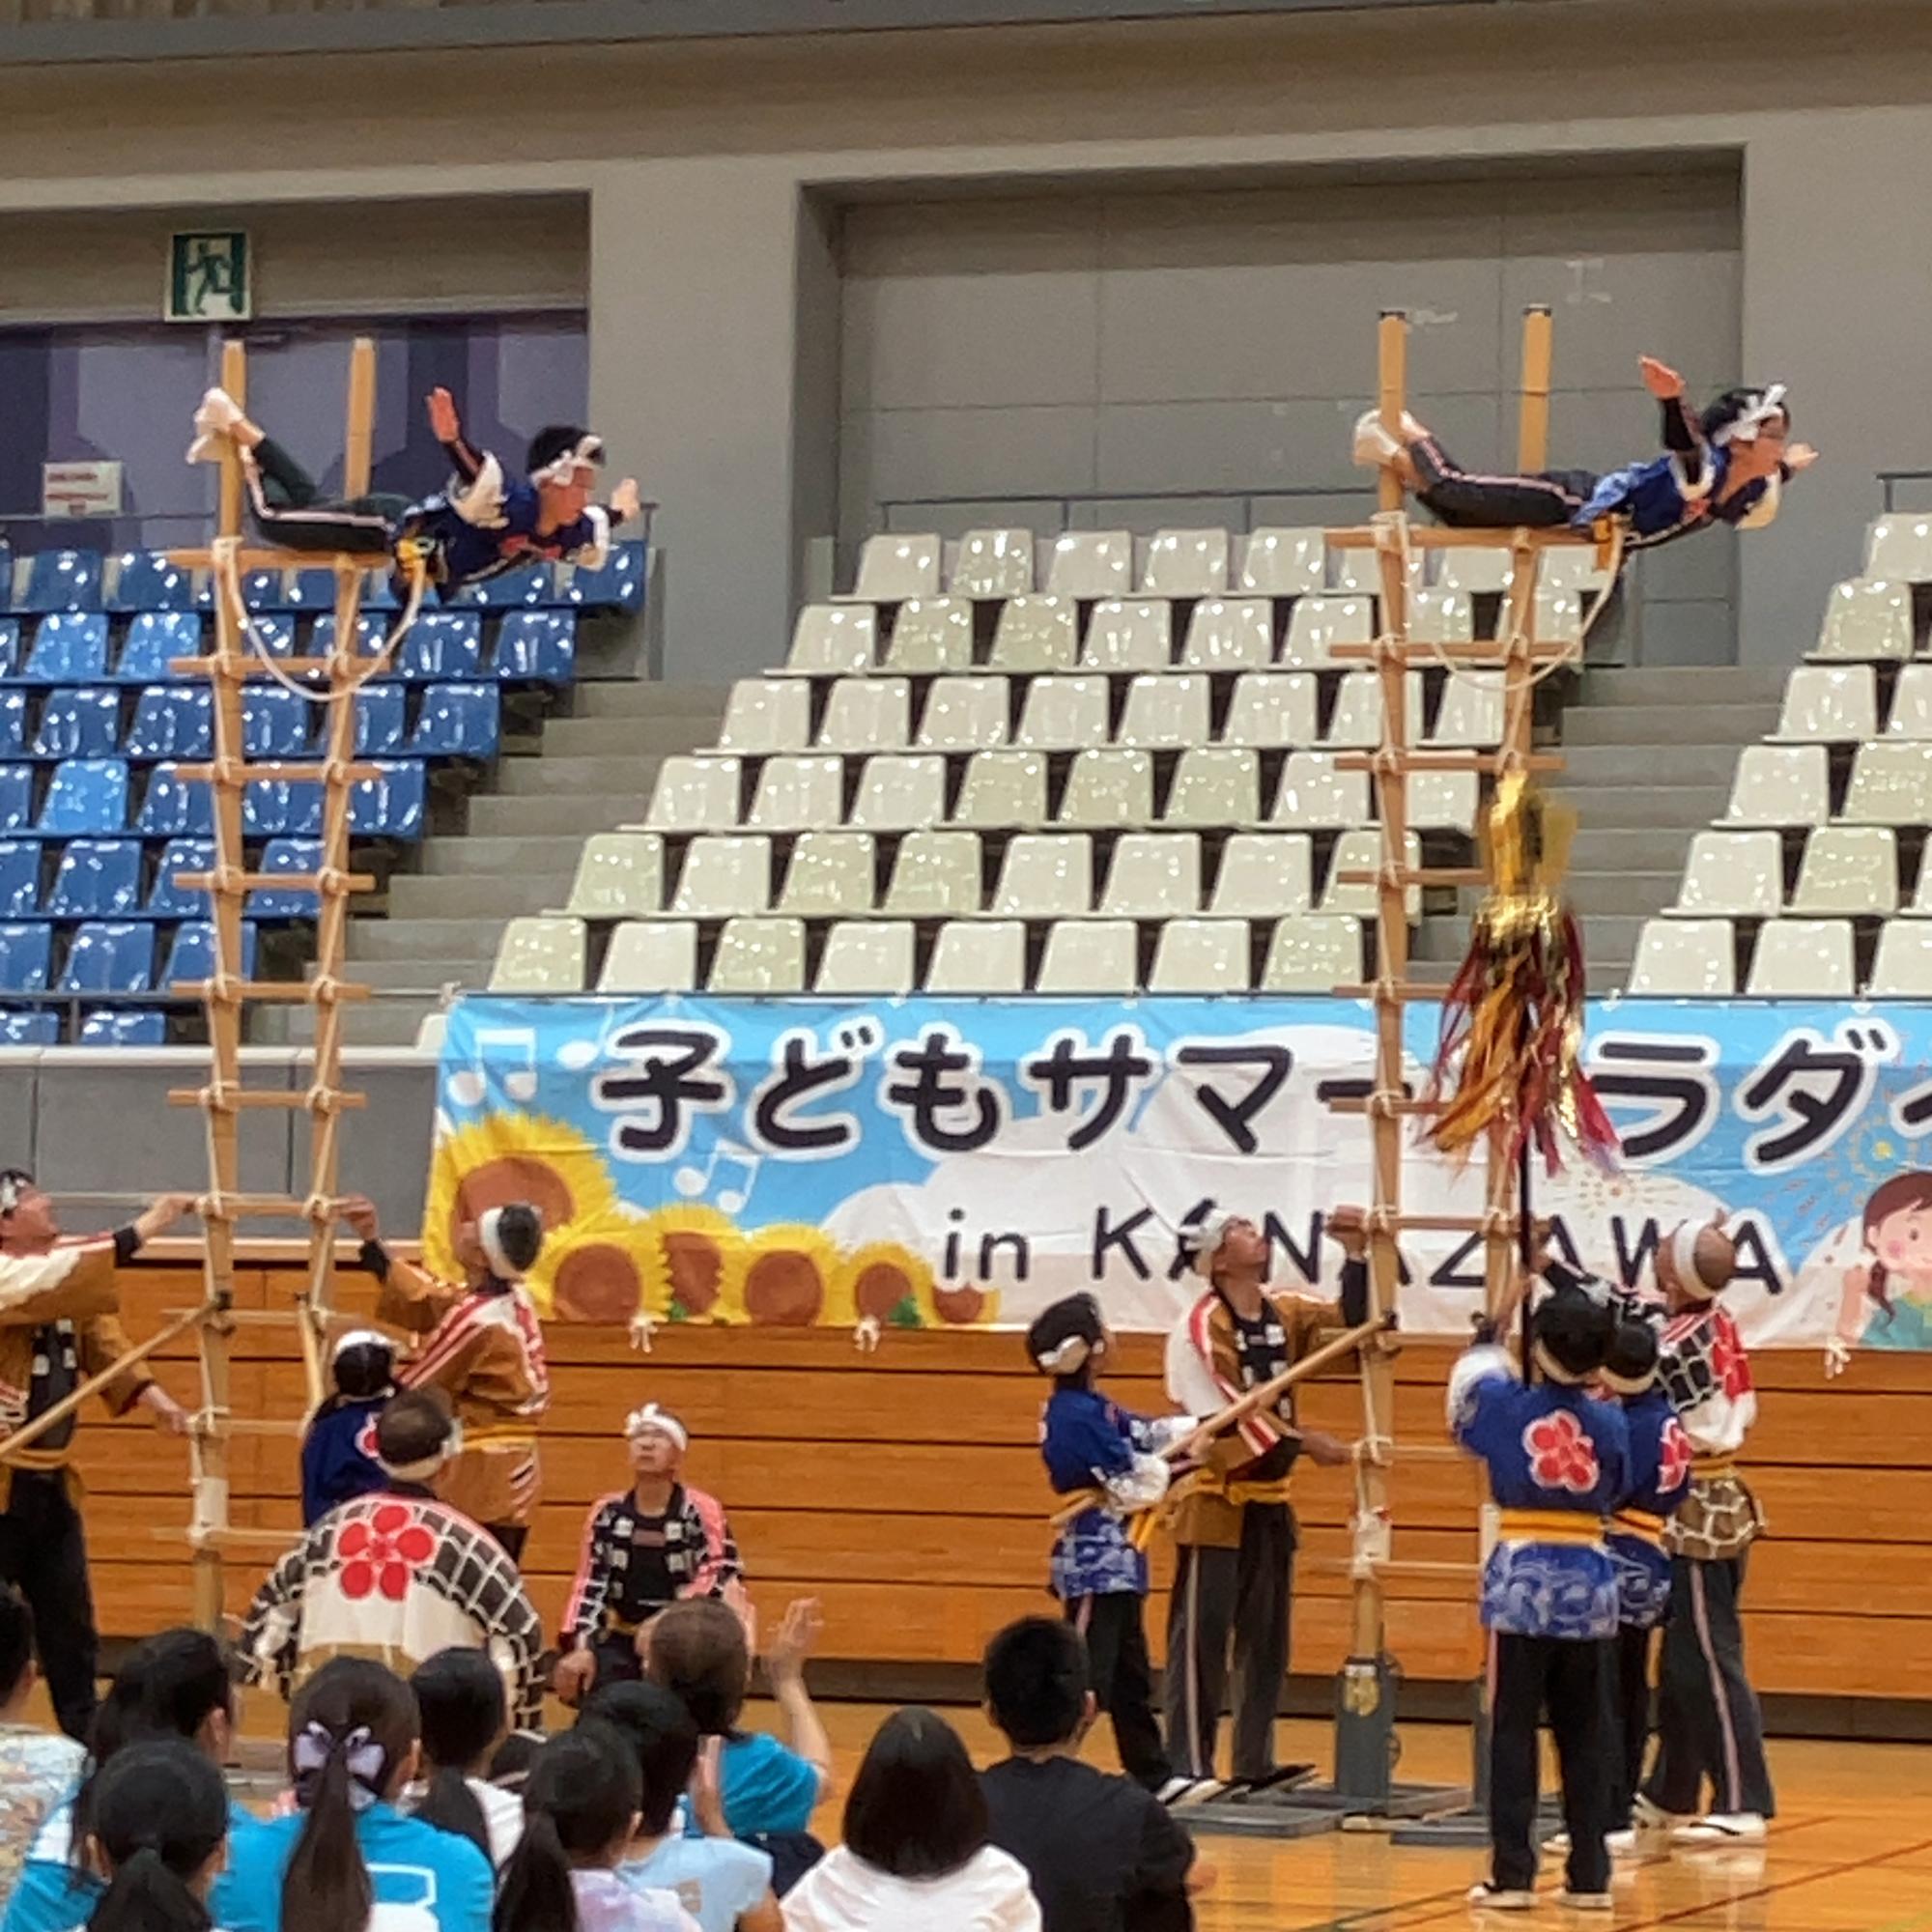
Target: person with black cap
x=1709, y=1727
x=1660, y=1478
x=1558, y=1463
x=338, y=1452
x=482, y=1345
x=1230, y=1518
x=398, y=1576
x=1098, y=1569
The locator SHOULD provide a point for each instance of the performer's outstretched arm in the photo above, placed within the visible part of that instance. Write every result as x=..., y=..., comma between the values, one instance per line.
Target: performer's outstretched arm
x=448, y=426
x=411, y=1298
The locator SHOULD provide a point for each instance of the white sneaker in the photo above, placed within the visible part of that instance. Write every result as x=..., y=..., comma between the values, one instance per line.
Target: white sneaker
x=1487, y=1897
x=1622, y=1844
x=218, y=417
x=1179, y=1793
x=1587, y=1901
x=1651, y=1825
x=1375, y=447
x=1723, y=1828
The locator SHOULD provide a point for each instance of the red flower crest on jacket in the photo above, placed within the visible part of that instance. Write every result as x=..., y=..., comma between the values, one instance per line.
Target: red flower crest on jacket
x=384, y=1553
x=1561, y=1455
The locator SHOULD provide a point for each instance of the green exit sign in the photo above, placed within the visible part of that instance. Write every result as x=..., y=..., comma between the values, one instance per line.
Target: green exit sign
x=208, y=277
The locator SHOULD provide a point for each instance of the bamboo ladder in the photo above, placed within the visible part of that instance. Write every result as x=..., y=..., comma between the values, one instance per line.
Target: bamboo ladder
x=1502, y=1226
x=227, y=1097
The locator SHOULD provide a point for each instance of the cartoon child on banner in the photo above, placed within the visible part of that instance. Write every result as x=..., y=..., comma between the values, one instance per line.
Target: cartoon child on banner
x=1887, y=1294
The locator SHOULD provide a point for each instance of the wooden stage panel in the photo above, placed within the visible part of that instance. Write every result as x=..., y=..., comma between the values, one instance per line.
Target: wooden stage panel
x=905, y=1491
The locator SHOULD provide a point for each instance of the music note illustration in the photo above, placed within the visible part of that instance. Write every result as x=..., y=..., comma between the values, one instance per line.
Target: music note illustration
x=516, y=1048
x=692, y=1182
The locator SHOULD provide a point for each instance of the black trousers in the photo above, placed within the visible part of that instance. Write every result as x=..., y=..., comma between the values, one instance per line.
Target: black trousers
x=1708, y=1724
x=43, y=1555
x=290, y=511
x=1223, y=1597
x=1122, y=1679
x=1466, y=501
x=1570, y=1682
x=1631, y=1705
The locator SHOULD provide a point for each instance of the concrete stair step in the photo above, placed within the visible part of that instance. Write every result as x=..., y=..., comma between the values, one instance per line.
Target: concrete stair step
x=1687, y=684
x=418, y=975
x=573, y=814
x=1611, y=808
x=470, y=938
x=1606, y=937
x=474, y=896
x=1647, y=849
x=548, y=777
x=626, y=737
x=1649, y=765
x=373, y=1023
x=1727, y=726
x=1633, y=893
x=641, y=697
x=554, y=855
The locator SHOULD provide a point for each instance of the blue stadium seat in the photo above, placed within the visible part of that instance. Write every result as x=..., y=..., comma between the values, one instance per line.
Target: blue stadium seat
x=378, y=720
x=17, y=797
x=109, y=956
x=9, y=646
x=618, y=586
x=442, y=644
x=176, y=806
x=390, y=805
x=98, y=878
x=277, y=807
x=79, y=724
x=38, y=1028
x=380, y=594
x=192, y=957
x=276, y=630
x=287, y=855
x=274, y=721
x=312, y=587
x=86, y=795
x=6, y=578
x=172, y=720
x=19, y=878
x=12, y=721
x=168, y=900
x=62, y=580
x=69, y=648
x=154, y=640
x=26, y=956
x=457, y=720
x=144, y=580
x=304, y=811
x=528, y=588
x=370, y=634
x=264, y=590
x=537, y=647
x=124, y=1026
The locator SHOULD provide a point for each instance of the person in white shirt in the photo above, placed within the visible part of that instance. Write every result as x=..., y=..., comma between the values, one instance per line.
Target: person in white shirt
x=465, y=1715
x=916, y=1852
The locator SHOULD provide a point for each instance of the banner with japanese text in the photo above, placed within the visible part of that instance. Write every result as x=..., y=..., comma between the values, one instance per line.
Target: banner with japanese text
x=928, y=1162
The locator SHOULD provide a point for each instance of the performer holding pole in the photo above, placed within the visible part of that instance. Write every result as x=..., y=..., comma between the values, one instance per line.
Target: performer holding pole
x=1230, y=1518
x=1708, y=1724
x=483, y=1346
x=57, y=1328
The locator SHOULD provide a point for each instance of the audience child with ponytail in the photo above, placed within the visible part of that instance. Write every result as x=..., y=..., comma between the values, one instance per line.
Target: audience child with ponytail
x=174, y=1688
x=347, y=1859
x=580, y=1804
x=465, y=1715
x=159, y=1830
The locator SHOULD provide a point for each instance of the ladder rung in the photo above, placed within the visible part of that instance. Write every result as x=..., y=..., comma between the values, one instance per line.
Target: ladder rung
x=283, y=770
x=1412, y=763
x=234, y=1537
x=269, y=556
x=1397, y=1104
x=292, y=1317
x=1407, y=989
x=1420, y=875
x=1435, y=536
x=205, y=882
x=1449, y=1224
x=286, y=992
x=263, y=1425
x=1494, y=652
x=252, y=665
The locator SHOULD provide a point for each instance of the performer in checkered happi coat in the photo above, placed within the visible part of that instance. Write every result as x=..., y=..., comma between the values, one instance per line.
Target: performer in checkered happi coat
x=1708, y=1722
x=398, y=1576
x=648, y=1546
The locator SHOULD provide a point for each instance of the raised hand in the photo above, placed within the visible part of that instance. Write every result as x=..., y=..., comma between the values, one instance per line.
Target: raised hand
x=445, y=425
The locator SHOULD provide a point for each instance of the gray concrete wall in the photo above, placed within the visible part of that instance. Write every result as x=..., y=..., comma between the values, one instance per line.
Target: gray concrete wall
x=699, y=160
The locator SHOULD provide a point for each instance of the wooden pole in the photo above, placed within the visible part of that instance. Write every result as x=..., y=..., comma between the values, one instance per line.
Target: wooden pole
x=1532, y=434
x=30, y=1433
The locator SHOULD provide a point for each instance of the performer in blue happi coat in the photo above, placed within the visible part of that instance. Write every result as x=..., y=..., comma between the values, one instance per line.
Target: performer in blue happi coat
x=338, y=1452
x=1659, y=1479
x=1726, y=465
x=1099, y=1572
x=1558, y=1463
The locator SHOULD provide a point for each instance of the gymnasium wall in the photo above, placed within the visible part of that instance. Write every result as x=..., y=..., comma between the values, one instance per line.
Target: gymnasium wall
x=703, y=162
x=904, y=1490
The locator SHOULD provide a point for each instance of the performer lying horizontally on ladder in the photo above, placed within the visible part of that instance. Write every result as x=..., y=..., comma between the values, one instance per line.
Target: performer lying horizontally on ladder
x=483, y=1346
x=1726, y=466
x=480, y=526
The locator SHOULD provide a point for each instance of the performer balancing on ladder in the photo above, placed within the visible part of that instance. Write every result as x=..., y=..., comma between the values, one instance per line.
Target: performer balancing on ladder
x=483, y=1346
x=1230, y=1518
x=1726, y=466
x=482, y=524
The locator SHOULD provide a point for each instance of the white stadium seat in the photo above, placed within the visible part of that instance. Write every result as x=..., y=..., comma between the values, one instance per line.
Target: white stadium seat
x=1866, y=620
x=1899, y=548
x=1828, y=705
x=619, y=875
x=1473, y=711
x=1062, y=714
x=1154, y=875
x=1002, y=788
x=1283, y=564
x=542, y=955
x=1092, y=564
x=1902, y=967
x=1848, y=869
x=1781, y=784
x=1273, y=710
x=1441, y=617
x=834, y=640
x=757, y=956
x=1357, y=721
x=651, y=956
x=1732, y=874
x=1265, y=875
x=1443, y=801
x=1361, y=851
x=993, y=563
x=1201, y=956
x=1108, y=789
x=722, y=875
x=1685, y=958
x=832, y=874
x=1036, y=634
x=1911, y=712
x=896, y=793
x=867, y=959
x=1892, y=784
x=867, y=714
x=1316, y=625
x=935, y=876
x=767, y=714
x=1315, y=794
x=795, y=794
x=695, y=795
x=1802, y=959
x=1045, y=875
x=1090, y=956
x=963, y=714
x=1229, y=634
x=1186, y=563
x=1478, y=568
x=1216, y=785
x=892, y=568
x=978, y=956
x=1165, y=713
x=931, y=634
x=1314, y=954
x=1136, y=635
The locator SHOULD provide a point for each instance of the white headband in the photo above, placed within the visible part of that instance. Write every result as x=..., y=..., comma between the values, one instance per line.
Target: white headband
x=357, y=1338
x=12, y=1186
x=1627, y=1384
x=1065, y=1356
x=1206, y=1238
x=651, y=1417
x=489, y=1233
x=563, y=469
x=415, y=1472
x=1684, y=1261
x=1745, y=426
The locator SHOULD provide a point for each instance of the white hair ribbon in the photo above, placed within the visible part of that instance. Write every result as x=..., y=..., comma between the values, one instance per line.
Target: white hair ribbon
x=1752, y=417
